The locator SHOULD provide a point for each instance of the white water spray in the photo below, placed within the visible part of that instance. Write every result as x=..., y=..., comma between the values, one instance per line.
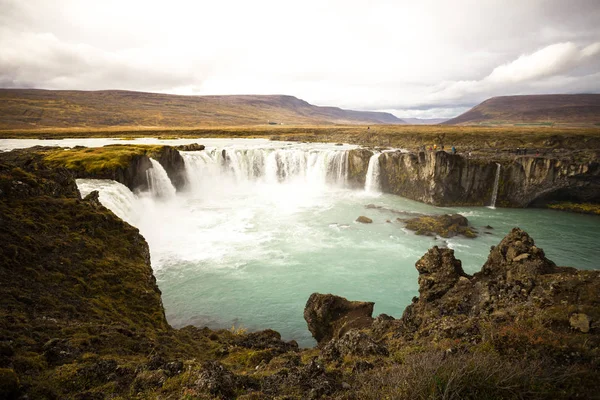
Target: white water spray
x=495, y=191
x=312, y=167
x=158, y=181
x=113, y=195
x=372, y=181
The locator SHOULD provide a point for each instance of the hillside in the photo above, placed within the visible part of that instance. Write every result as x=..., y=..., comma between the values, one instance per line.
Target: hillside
x=535, y=109
x=33, y=108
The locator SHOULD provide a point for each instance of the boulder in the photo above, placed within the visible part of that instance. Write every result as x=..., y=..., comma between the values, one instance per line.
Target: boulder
x=517, y=258
x=447, y=225
x=190, y=147
x=330, y=316
x=364, y=220
x=439, y=271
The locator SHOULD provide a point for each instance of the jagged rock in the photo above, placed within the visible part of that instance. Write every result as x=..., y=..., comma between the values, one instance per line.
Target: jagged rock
x=330, y=316
x=581, y=322
x=216, y=380
x=438, y=272
x=353, y=343
x=517, y=258
x=267, y=339
x=93, y=198
x=364, y=220
x=191, y=147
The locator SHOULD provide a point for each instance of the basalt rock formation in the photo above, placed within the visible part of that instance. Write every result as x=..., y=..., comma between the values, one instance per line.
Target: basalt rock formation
x=330, y=316
x=126, y=164
x=358, y=163
x=445, y=179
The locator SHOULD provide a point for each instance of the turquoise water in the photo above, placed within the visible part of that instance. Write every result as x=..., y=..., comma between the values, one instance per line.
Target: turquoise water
x=243, y=247
x=264, y=275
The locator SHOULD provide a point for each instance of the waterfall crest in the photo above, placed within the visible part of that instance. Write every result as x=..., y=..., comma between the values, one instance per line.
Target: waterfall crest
x=372, y=181
x=158, y=181
x=495, y=191
x=313, y=167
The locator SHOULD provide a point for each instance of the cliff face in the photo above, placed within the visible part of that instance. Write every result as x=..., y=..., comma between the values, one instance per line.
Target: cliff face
x=533, y=180
x=126, y=164
x=358, y=163
x=445, y=179
x=437, y=178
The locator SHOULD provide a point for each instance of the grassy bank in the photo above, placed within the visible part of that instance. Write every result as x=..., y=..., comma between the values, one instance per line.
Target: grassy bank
x=408, y=136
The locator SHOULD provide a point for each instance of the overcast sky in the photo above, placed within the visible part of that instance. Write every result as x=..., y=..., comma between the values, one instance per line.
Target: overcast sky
x=414, y=58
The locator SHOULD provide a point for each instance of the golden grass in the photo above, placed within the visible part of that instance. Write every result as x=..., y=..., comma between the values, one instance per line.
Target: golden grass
x=98, y=159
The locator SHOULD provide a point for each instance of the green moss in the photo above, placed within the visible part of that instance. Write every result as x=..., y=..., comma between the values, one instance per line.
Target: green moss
x=95, y=160
x=584, y=208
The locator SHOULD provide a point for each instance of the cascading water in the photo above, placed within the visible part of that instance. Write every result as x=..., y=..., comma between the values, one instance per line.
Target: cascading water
x=495, y=191
x=372, y=183
x=113, y=195
x=313, y=167
x=158, y=181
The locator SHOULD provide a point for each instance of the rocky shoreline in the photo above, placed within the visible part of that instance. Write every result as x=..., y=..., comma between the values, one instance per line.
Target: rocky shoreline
x=82, y=318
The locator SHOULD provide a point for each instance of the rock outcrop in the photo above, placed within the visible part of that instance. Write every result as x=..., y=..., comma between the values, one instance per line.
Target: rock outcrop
x=445, y=225
x=444, y=179
x=330, y=316
x=516, y=280
x=358, y=163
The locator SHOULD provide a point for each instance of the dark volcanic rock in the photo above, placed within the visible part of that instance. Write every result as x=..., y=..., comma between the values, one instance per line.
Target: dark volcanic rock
x=263, y=340
x=517, y=258
x=330, y=316
x=173, y=164
x=438, y=272
x=447, y=225
x=190, y=147
x=353, y=343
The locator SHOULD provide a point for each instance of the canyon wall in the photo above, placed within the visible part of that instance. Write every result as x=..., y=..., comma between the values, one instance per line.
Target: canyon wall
x=445, y=179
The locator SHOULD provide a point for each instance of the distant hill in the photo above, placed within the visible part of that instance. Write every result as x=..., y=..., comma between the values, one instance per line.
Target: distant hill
x=34, y=108
x=424, y=121
x=534, y=109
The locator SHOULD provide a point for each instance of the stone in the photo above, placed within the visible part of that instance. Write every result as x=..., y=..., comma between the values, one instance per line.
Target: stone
x=364, y=220
x=354, y=343
x=580, y=322
x=267, y=339
x=191, y=147
x=439, y=271
x=329, y=316
x=216, y=380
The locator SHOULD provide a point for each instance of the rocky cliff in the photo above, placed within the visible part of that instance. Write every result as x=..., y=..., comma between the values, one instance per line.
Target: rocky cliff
x=445, y=179
x=126, y=164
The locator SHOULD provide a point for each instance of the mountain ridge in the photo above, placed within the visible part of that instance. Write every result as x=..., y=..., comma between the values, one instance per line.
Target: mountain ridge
x=40, y=108
x=546, y=109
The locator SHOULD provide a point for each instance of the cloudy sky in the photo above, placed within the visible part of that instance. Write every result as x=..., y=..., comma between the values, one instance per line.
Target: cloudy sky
x=413, y=58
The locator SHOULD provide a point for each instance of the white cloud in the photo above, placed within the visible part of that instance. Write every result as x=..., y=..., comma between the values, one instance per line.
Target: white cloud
x=396, y=55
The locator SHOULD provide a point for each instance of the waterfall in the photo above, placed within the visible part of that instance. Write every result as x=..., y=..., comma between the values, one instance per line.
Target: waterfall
x=158, y=181
x=311, y=166
x=372, y=183
x=495, y=191
x=113, y=195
